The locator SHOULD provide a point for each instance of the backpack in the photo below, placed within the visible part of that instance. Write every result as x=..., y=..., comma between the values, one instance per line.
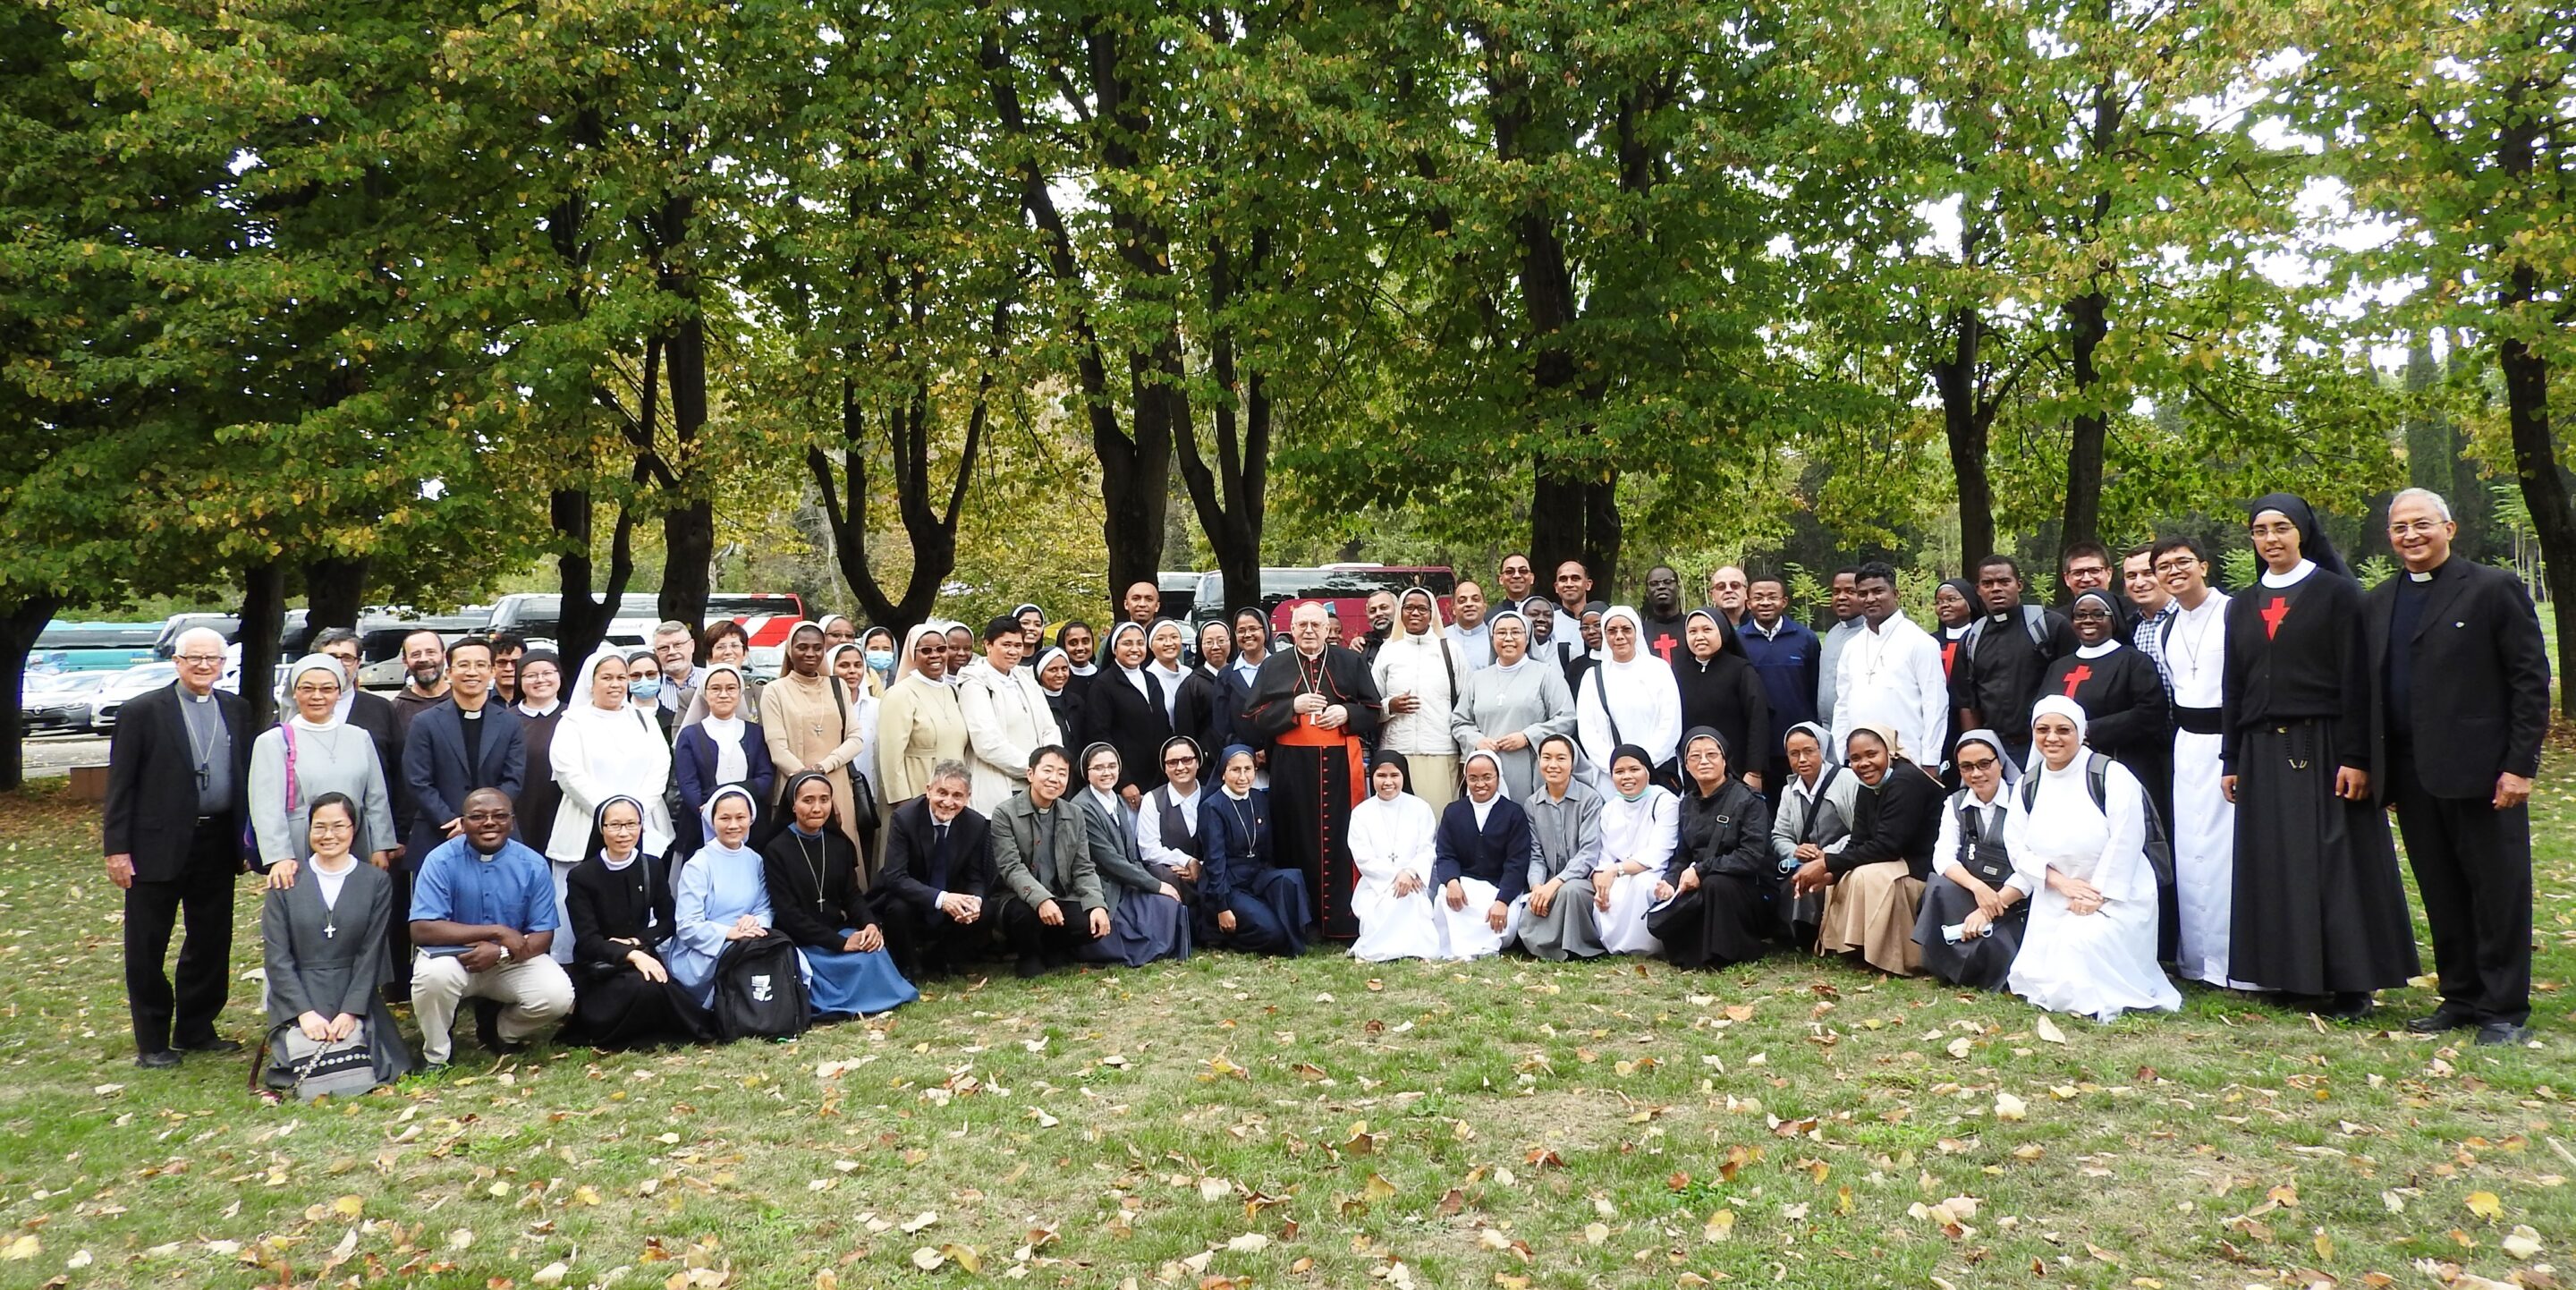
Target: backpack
x=760, y=990
x=2034, y=620
x=2097, y=776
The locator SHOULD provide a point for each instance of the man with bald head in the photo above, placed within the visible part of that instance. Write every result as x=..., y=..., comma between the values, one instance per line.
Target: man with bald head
x=178, y=774
x=1143, y=603
x=1316, y=707
x=484, y=917
x=1730, y=593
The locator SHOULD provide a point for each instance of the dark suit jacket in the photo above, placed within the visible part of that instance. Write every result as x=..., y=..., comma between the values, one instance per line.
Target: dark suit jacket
x=906, y=881
x=434, y=767
x=1498, y=853
x=2481, y=680
x=1115, y=714
x=374, y=713
x=152, y=781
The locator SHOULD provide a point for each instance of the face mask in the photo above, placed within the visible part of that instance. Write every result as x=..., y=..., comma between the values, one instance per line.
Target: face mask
x=880, y=659
x=644, y=689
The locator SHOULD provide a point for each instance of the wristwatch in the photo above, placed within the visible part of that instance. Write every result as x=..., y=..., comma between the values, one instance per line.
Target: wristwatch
x=505, y=951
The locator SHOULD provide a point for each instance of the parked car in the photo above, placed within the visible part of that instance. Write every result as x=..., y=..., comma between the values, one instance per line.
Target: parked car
x=1344, y=588
x=63, y=703
x=767, y=616
x=131, y=683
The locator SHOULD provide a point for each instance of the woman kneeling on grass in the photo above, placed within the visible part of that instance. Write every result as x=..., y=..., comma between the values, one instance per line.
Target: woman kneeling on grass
x=324, y=943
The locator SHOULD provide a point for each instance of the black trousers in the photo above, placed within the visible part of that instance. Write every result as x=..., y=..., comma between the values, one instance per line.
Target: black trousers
x=1030, y=938
x=200, y=899
x=937, y=943
x=398, y=931
x=2472, y=865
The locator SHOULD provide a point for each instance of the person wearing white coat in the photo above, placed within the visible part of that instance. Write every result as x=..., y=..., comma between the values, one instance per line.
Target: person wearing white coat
x=1628, y=696
x=2090, y=948
x=1391, y=845
x=602, y=749
x=1007, y=716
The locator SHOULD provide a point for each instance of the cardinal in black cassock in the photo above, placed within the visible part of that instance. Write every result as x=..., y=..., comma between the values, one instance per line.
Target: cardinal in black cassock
x=1318, y=749
x=2319, y=909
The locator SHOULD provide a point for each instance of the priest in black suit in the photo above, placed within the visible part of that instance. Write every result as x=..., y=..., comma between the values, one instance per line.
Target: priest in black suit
x=938, y=873
x=178, y=782
x=1316, y=708
x=2459, y=702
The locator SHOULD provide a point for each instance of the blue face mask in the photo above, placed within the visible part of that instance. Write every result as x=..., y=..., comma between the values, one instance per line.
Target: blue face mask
x=880, y=659
x=647, y=688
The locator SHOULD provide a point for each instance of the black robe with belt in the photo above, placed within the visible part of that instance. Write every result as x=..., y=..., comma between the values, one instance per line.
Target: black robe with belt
x=2319, y=907
x=1726, y=838
x=1314, y=785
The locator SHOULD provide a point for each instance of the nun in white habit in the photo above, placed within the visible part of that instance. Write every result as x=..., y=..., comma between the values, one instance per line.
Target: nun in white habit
x=2090, y=948
x=1640, y=826
x=1628, y=696
x=1390, y=837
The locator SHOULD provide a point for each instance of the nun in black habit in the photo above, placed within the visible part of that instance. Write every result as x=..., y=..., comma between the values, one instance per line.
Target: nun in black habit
x=1712, y=907
x=618, y=900
x=2320, y=912
x=1722, y=692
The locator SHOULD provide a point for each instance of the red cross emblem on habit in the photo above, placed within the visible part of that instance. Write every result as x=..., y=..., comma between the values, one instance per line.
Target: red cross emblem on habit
x=1664, y=647
x=2273, y=614
x=2082, y=673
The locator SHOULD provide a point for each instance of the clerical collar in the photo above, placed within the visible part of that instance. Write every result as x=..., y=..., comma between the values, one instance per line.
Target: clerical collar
x=2426, y=576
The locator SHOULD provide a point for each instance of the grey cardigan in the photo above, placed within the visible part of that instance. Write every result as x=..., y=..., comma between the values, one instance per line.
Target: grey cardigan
x=342, y=761
x=1070, y=876
x=1114, y=857
x=1834, y=814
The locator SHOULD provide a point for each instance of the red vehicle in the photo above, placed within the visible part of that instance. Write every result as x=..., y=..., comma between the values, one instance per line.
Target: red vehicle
x=766, y=615
x=1343, y=588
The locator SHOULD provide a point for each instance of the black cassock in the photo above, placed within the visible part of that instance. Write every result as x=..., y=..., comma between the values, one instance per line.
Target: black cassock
x=1317, y=775
x=2128, y=719
x=2319, y=906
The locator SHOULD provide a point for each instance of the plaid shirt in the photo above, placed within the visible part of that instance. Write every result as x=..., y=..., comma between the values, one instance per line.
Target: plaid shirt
x=2150, y=640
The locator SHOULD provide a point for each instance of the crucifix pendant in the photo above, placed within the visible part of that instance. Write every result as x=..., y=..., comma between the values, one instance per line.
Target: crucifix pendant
x=202, y=777
x=330, y=930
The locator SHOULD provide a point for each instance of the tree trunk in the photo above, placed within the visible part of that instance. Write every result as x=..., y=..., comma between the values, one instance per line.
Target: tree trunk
x=1232, y=498
x=2088, y=319
x=2544, y=486
x=584, y=620
x=688, y=529
x=1955, y=377
x=19, y=628
x=263, y=617
x=931, y=530
x=335, y=588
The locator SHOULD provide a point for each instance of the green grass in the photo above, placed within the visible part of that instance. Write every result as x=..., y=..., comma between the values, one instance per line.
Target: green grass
x=1312, y=1123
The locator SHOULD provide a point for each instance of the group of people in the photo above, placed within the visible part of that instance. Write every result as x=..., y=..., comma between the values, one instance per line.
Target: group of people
x=2161, y=775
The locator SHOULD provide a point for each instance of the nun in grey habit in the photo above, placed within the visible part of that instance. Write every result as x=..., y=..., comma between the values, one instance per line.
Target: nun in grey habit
x=1510, y=705
x=1565, y=847
x=323, y=941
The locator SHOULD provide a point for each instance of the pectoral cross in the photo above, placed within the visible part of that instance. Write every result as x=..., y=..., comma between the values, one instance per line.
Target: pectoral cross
x=2082, y=673
x=2273, y=614
x=330, y=930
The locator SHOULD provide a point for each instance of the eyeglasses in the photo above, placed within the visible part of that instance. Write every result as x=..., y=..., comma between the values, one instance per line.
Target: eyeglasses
x=2175, y=566
x=2426, y=527
x=333, y=826
x=487, y=817
x=1180, y=761
x=1985, y=764
x=317, y=689
x=200, y=660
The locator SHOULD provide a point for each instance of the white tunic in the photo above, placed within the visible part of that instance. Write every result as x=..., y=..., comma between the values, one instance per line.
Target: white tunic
x=2104, y=963
x=1388, y=839
x=1644, y=702
x=2204, y=824
x=1639, y=833
x=1892, y=677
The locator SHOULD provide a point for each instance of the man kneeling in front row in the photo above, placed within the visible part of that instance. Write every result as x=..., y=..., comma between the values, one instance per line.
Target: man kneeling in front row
x=483, y=915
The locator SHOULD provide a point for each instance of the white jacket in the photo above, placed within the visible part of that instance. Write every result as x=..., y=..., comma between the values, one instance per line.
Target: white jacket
x=1007, y=718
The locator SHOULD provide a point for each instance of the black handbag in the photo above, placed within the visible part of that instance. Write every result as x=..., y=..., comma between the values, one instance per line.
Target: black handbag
x=311, y=1068
x=864, y=815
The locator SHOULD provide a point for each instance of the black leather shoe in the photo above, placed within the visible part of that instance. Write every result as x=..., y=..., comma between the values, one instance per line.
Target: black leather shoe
x=213, y=1044
x=1031, y=965
x=159, y=1059
x=487, y=1027
x=2440, y=1020
x=2496, y=1034
x=2346, y=1005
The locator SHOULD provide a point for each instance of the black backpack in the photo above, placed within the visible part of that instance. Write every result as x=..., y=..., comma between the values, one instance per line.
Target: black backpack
x=2097, y=772
x=2034, y=622
x=760, y=990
